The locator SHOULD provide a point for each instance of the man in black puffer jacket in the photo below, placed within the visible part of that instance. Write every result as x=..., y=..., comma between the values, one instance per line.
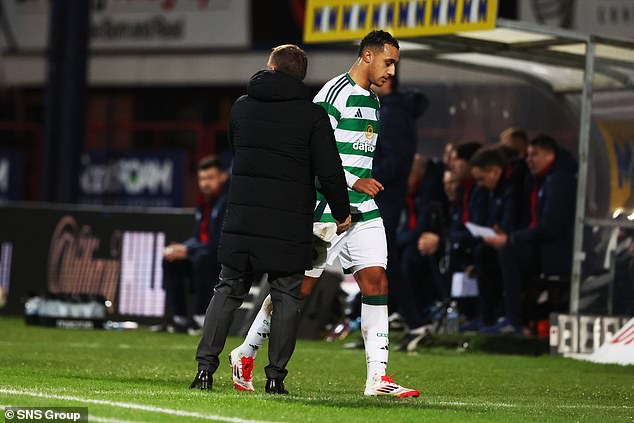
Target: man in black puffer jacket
x=281, y=141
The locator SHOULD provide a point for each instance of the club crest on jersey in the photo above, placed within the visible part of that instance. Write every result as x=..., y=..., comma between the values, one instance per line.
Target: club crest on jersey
x=369, y=132
x=363, y=146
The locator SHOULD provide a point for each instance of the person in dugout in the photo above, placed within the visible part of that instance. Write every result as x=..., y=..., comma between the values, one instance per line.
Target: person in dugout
x=195, y=260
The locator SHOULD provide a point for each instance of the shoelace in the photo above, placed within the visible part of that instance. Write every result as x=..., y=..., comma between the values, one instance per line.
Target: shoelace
x=388, y=379
x=247, y=368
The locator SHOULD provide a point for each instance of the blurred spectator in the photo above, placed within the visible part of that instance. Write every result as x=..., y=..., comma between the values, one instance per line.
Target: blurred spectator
x=447, y=154
x=470, y=206
x=516, y=140
x=425, y=212
x=391, y=167
x=424, y=188
x=196, y=258
x=441, y=244
x=543, y=247
x=491, y=172
x=450, y=185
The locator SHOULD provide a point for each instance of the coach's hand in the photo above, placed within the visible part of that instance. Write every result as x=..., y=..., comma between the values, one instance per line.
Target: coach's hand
x=369, y=186
x=344, y=226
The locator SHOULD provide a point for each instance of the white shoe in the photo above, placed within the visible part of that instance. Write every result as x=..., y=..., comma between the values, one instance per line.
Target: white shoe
x=199, y=319
x=241, y=370
x=385, y=385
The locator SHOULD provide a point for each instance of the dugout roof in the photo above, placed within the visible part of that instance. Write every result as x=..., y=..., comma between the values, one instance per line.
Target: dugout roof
x=466, y=34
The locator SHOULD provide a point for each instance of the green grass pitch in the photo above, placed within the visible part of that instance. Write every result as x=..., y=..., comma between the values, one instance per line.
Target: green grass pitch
x=143, y=377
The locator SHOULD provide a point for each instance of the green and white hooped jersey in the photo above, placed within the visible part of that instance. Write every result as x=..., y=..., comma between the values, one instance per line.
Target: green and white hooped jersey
x=354, y=116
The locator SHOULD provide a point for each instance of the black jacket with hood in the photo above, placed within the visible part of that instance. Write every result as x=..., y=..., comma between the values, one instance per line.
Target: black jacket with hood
x=281, y=141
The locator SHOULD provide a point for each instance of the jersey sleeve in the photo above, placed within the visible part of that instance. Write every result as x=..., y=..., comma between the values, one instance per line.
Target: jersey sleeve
x=333, y=107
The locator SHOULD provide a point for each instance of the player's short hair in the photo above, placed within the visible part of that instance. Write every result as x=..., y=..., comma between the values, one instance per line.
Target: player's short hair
x=545, y=142
x=376, y=39
x=487, y=157
x=290, y=59
x=210, y=162
x=466, y=149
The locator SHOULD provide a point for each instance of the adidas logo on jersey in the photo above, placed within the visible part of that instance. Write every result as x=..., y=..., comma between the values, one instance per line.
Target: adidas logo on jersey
x=358, y=114
x=363, y=146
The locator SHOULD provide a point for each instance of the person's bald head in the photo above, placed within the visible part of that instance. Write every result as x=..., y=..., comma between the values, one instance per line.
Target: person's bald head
x=516, y=139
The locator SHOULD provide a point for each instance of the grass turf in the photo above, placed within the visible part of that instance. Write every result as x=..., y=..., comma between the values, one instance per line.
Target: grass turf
x=143, y=377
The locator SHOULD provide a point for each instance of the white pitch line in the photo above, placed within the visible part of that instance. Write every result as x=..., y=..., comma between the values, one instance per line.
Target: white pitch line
x=90, y=417
x=133, y=406
x=456, y=404
x=95, y=345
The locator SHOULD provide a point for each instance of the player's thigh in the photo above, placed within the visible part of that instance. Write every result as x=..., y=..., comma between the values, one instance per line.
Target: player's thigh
x=372, y=280
x=366, y=246
x=366, y=256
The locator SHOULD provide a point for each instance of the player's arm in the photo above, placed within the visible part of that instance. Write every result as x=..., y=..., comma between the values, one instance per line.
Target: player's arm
x=328, y=168
x=335, y=111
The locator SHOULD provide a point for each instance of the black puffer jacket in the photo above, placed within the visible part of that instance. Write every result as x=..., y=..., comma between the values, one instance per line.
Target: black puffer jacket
x=281, y=141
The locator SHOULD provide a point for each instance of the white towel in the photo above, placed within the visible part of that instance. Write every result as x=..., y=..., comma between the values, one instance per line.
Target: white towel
x=326, y=231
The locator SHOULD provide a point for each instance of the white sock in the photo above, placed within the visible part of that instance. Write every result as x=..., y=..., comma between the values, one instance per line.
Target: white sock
x=259, y=330
x=375, y=330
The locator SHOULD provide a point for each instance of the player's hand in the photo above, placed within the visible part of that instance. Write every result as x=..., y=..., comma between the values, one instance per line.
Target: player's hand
x=369, y=186
x=428, y=243
x=344, y=226
x=175, y=252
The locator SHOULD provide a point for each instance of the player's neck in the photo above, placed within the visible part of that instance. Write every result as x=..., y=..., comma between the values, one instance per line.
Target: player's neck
x=359, y=75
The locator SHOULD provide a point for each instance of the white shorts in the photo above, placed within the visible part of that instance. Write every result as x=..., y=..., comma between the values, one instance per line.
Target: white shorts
x=363, y=245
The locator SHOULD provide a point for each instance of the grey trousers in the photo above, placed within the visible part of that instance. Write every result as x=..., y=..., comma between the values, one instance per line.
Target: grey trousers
x=229, y=294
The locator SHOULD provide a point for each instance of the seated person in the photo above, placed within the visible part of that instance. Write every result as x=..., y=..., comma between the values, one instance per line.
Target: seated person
x=424, y=188
x=504, y=184
x=543, y=244
x=425, y=205
x=514, y=142
x=470, y=206
x=196, y=258
x=440, y=235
